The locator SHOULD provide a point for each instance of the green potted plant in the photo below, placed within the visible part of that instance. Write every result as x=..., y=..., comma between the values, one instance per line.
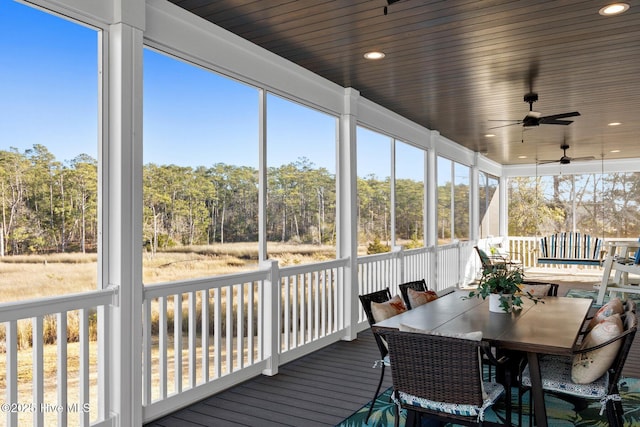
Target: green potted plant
x=503, y=287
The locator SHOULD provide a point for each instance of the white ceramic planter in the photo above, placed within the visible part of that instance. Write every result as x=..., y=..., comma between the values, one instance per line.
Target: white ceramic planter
x=494, y=304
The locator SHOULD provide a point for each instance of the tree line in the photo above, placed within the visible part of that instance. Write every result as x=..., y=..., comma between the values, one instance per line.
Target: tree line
x=47, y=206
x=50, y=206
x=603, y=205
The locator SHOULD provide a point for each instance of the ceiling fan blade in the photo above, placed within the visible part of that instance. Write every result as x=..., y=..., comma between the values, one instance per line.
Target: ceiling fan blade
x=544, y=162
x=510, y=124
x=545, y=121
x=560, y=116
x=577, y=159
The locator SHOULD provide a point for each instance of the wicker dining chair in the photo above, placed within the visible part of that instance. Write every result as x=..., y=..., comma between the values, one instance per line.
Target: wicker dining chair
x=439, y=378
x=553, y=287
x=416, y=285
x=556, y=376
x=366, y=300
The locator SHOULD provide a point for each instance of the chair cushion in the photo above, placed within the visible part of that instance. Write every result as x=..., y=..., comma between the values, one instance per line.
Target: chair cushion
x=556, y=376
x=589, y=366
x=417, y=298
x=535, y=290
x=612, y=307
x=493, y=392
x=384, y=361
x=385, y=310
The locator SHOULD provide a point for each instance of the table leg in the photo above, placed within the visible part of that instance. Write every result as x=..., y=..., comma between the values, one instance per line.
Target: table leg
x=537, y=393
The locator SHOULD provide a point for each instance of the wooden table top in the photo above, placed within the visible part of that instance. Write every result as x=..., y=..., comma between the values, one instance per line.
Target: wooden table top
x=551, y=327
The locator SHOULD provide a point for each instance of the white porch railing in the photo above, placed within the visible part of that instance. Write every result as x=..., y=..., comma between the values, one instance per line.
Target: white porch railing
x=454, y=265
x=78, y=395
x=312, y=312
x=457, y=265
x=223, y=331
x=203, y=336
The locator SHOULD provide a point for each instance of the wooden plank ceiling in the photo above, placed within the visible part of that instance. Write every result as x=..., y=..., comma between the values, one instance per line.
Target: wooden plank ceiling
x=455, y=65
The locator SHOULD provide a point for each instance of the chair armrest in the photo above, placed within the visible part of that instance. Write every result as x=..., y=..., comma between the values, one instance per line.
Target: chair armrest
x=595, y=347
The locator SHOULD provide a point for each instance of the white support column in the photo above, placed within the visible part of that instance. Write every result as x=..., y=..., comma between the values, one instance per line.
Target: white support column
x=431, y=178
x=504, y=205
x=122, y=222
x=393, y=236
x=262, y=176
x=347, y=206
x=474, y=201
x=431, y=209
x=452, y=203
x=271, y=319
x=467, y=270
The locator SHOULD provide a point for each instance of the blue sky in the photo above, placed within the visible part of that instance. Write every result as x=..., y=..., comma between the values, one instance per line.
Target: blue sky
x=41, y=94
x=218, y=118
x=192, y=117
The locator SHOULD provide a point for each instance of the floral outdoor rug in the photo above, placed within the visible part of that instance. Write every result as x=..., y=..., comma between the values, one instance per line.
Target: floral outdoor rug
x=584, y=293
x=560, y=413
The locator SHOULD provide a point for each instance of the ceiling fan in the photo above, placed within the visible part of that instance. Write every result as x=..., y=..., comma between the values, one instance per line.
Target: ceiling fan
x=565, y=160
x=533, y=118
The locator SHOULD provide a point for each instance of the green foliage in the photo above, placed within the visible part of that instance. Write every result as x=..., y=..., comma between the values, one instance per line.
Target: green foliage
x=53, y=208
x=48, y=206
x=377, y=247
x=600, y=205
x=414, y=244
x=501, y=281
x=460, y=216
x=506, y=282
x=163, y=241
x=409, y=209
x=529, y=214
x=374, y=207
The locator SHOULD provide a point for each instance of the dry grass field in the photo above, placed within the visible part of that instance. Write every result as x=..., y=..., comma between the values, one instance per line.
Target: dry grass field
x=38, y=276
x=28, y=277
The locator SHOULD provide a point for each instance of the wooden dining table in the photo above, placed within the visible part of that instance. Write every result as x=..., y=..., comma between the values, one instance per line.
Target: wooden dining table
x=551, y=326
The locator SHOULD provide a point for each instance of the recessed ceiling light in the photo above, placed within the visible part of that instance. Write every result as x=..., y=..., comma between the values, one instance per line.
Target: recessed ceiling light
x=615, y=151
x=522, y=157
x=374, y=55
x=490, y=135
x=614, y=124
x=614, y=9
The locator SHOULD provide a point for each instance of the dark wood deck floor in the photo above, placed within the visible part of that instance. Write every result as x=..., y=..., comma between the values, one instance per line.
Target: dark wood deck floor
x=320, y=389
